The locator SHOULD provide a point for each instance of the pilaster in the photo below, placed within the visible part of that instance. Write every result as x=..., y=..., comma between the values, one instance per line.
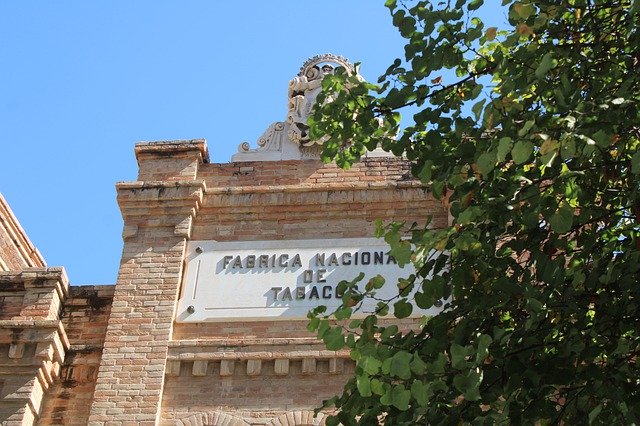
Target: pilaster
x=158, y=211
x=33, y=343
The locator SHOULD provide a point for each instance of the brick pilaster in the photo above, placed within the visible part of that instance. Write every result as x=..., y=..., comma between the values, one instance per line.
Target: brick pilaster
x=36, y=342
x=158, y=211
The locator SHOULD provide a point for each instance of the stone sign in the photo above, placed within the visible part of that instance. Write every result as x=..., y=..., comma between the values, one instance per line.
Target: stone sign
x=279, y=279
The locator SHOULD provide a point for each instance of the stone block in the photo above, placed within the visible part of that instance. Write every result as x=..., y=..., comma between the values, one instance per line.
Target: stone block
x=281, y=367
x=173, y=368
x=308, y=366
x=200, y=367
x=254, y=367
x=16, y=350
x=227, y=367
x=336, y=366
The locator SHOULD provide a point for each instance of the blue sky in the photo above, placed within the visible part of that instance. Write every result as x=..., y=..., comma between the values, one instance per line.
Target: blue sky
x=81, y=82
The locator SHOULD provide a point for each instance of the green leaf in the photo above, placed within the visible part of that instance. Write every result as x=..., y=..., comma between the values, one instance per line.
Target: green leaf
x=343, y=313
x=487, y=162
x=419, y=392
x=400, y=397
x=402, y=252
x=602, y=138
x=526, y=127
x=377, y=387
x=568, y=148
x=635, y=163
x=402, y=309
x=387, y=398
x=458, y=356
x=400, y=365
x=483, y=344
x=524, y=10
x=370, y=365
x=469, y=215
x=548, y=146
x=594, y=413
x=418, y=366
x=521, y=151
x=333, y=339
x=437, y=189
x=377, y=281
x=546, y=64
x=469, y=385
x=475, y=4
x=395, y=99
x=504, y=147
x=562, y=220
x=382, y=309
x=364, y=385
x=477, y=108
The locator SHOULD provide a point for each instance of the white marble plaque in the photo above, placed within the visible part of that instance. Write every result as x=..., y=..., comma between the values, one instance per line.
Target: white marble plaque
x=270, y=280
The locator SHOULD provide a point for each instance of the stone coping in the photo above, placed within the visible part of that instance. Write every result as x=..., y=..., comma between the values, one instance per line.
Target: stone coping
x=170, y=147
x=240, y=342
x=53, y=324
x=29, y=276
x=314, y=187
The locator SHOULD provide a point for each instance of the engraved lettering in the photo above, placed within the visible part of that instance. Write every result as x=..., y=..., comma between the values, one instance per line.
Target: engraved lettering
x=326, y=292
x=286, y=294
x=296, y=261
x=314, y=293
x=307, y=276
x=275, y=291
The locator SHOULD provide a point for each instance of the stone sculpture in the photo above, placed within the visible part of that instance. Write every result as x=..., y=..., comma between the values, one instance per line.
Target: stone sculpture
x=289, y=140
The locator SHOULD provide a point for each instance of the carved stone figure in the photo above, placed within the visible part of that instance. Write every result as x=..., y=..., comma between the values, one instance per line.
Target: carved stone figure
x=289, y=140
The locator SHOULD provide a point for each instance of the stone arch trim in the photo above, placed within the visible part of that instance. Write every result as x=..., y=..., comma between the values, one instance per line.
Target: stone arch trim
x=212, y=418
x=298, y=418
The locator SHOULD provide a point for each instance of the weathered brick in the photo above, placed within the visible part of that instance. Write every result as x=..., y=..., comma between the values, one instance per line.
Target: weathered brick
x=122, y=362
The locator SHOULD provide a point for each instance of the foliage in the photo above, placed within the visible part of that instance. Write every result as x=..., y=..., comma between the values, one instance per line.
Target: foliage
x=530, y=133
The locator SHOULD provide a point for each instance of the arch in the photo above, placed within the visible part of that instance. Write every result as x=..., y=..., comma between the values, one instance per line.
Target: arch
x=212, y=418
x=298, y=418
x=307, y=68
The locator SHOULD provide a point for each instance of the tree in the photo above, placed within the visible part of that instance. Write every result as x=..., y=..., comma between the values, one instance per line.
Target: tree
x=531, y=133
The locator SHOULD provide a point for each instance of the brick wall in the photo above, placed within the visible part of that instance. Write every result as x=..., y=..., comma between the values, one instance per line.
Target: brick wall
x=16, y=251
x=33, y=341
x=121, y=357
x=256, y=371
x=84, y=317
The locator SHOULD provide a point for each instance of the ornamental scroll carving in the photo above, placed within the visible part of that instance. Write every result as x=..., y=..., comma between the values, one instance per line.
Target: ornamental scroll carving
x=289, y=140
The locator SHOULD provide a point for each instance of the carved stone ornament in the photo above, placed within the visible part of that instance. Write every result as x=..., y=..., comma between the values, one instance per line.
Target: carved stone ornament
x=289, y=140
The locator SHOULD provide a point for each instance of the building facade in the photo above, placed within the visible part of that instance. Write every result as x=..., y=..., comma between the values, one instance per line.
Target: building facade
x=205, y=323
